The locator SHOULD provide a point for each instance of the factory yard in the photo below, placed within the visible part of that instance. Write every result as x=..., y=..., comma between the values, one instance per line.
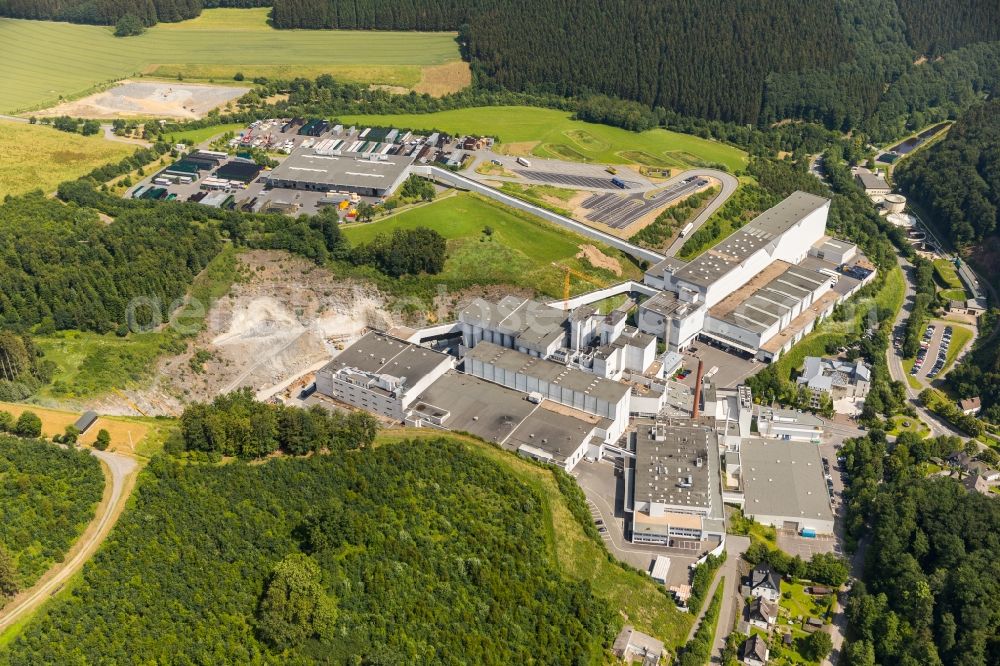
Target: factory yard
x=157, y=99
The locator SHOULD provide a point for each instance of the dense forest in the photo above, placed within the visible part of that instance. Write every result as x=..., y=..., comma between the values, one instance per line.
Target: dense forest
x=958, y=179
x=236, y=424
x=47, y=496
x=413, y=553
x=62, y=267
x=107, y=12
x=746, y=62
x=931, y=588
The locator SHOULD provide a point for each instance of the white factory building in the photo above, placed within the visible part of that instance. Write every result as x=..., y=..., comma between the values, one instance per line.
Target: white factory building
x=669, y=485
x=549, y=380
x=381, y=374
x=759, y=291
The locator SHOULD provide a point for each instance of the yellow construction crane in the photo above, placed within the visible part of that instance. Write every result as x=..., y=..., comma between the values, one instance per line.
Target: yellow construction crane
x=567, y=271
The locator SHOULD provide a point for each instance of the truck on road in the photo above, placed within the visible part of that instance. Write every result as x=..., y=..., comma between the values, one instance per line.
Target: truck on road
x=687, y=229
x=618, y=182
x=523, y=162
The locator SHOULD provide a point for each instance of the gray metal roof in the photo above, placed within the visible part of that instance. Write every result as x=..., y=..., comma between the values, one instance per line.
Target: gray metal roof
x=378, y=353
x=548, y=371
x=784, y=478
x=347, y=170
x=706, y=269
x=533, y=324
x=663, y=464
x=558, y=434
x=871, y=181
x=667, y=304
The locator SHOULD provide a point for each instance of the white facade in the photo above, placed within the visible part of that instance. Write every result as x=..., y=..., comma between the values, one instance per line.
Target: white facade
x=795, y=426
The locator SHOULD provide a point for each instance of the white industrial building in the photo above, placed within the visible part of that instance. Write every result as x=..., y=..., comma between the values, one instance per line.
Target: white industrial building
x=522, y=324
x=381, y=374
x=784, y=486
x=789, y=424
x=669, y=489
x=553, y=381
x=757, y=292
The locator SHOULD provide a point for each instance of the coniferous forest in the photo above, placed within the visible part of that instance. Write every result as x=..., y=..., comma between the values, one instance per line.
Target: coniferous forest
x=412, y=553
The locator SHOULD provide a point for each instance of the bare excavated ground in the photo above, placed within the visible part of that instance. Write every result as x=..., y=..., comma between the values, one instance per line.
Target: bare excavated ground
x=285, y=321
x=186, y=101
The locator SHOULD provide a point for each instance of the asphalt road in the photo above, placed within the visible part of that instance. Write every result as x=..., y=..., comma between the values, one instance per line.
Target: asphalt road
x=120, y=471
x=729, y=185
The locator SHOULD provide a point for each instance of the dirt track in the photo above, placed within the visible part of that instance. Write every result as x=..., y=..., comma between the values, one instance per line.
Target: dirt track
x=120, y=471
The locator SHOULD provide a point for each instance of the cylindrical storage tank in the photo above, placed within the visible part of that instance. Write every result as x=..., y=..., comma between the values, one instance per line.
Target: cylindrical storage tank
x=894, y=203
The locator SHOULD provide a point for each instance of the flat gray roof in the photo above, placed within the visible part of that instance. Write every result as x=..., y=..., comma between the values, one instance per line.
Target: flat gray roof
x=347, y=170
x=378, y=353
x=705, y=269
x=663, y=465
x=477, y=406
x=784, y=479
x=548, y=371
x=672, y=263
x=871, y=181
x=667, y=304
x=558, y=434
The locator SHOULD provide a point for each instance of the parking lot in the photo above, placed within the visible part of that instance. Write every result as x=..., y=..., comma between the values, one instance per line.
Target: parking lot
x=618, y=211
x=805, y=547
x=930, y=359
x=605, y=488
x=573, y=180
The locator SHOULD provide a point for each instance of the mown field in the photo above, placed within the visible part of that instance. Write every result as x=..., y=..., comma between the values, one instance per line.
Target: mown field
x=33, y=157
x=554, y=134
x=520, y=250
x=46, y=61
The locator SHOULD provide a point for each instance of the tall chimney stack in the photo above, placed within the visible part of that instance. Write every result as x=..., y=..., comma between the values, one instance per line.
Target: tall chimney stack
x=697, y=390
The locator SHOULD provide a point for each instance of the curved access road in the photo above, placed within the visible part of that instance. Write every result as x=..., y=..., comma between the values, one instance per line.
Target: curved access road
x=729, y=184
x=120, y=471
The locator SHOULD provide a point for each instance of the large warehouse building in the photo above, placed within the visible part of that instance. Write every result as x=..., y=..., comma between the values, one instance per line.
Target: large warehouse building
x=784, y=486
x=759, y=291
x=373, y=175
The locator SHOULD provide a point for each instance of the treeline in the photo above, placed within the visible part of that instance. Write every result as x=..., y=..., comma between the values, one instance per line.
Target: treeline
x=63, y=268
x=931, y=589
x=978, y=373
x=47, y=496
x=22, y=368
x=413, y=553
x=108, y=12
x=236, y=424
x=958, y=179
x=424, y=15
x=933, y=27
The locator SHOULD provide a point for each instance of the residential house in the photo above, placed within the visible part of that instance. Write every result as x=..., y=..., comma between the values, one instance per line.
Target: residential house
x=631, y=645
x=764, y=582
x=976, y=483
x=970, y=406
x=762, y=614
x=754, y=651
x=835, y=377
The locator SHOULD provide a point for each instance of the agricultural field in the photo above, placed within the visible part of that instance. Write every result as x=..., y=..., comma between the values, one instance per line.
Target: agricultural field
x=554, y=134
x=216, y=45
x=127, y=434
x=491, y=244
x=41, y=157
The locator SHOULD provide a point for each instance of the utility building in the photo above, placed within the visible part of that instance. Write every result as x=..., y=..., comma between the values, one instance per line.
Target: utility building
x=372, y=175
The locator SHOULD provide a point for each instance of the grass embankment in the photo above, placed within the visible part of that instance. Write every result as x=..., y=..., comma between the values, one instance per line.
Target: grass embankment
x=946, y=274
x=548, y=197
x=554, y=134
x=36, y=157
x=642, y=602
x=521, y=250
x=89, y=364
x=193, y=137
x=216, y=45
